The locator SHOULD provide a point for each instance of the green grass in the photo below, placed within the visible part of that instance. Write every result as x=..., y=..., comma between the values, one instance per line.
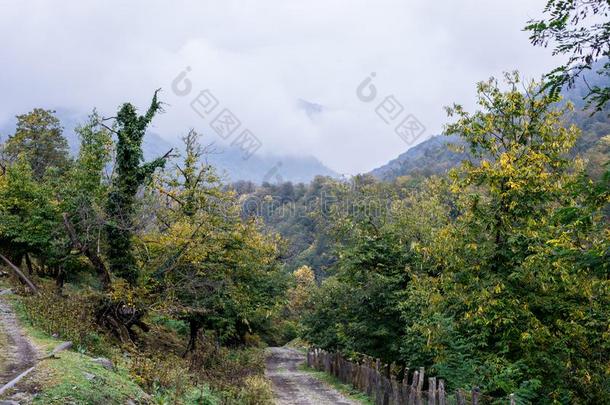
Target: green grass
x=68, y=382
x=345, y=389
x=3, y=343
x=63, y=380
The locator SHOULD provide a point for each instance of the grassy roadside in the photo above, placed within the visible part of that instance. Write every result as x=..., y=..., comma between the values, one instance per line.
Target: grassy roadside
x=228, y=376
x=71, y=377
x=3, y=343
x=345, y=389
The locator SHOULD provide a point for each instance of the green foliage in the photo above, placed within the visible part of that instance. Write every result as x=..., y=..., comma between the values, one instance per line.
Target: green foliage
x=38, y=138
x=32, y=205
x=68, y=317
x=494, y=277
x=83, y=190
x=579, y=29
x=214, y=270
x=130, y=175
x=29, y=217
x=235, y=375
x=83, y=186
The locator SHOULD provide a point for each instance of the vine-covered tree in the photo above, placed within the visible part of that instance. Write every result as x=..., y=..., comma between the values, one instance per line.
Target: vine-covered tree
x=130, y=174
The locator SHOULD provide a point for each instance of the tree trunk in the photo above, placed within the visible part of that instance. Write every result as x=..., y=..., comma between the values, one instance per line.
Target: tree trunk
x=20, y=274
x=60, y=278
x=28, y=262
x=97, y=262
x=194, y=327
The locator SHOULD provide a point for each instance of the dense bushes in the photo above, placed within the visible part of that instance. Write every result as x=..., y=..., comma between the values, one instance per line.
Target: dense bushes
x=174, y=260
x=67, y=317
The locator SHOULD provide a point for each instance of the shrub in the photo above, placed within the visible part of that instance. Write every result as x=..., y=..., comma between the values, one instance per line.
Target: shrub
x=235, y=375
x=70, y=318
x=255, y=391
x=158, y=373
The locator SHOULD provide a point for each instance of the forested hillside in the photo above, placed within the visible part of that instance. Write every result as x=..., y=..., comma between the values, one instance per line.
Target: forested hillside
x=133, y=271
x=302, y=213
x=439, y=154
x=478, y=274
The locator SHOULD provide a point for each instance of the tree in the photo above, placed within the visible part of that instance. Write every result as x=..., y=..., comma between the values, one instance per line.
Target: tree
x=29, y=218
x=83, y=191
x=298, y=295
x=211, y=269
x=39, y=138
x=522, y=149
x=360, y=308
x=130, y=174
x=496, y=276
x=580, y=30
x=516, y=306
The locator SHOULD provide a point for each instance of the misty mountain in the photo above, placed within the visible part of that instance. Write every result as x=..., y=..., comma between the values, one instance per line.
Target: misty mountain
x=228, y=160
x=435, y=156
x=311, y=109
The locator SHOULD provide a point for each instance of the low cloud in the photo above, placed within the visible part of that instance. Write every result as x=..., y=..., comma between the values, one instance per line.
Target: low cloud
x=260, y=58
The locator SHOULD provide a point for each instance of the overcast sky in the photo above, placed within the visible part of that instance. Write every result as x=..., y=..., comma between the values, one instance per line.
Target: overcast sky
x=258, y=58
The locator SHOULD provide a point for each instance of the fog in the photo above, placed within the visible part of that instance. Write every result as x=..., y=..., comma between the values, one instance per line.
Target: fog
x=287, y=70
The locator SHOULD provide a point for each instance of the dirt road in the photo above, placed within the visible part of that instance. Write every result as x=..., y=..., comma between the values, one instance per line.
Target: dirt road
x=294, y=387
x=16, y=352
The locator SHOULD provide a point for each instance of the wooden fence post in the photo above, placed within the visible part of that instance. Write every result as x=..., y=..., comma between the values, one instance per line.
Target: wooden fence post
x=512, y=399
x=432, y=391
x=377, y=382
x=442, y=399
x=395, y=390
x=459, y=396
x=420, y=386
x=475, y=396
x=369, y=376
x=413, y=389
x=404, y=388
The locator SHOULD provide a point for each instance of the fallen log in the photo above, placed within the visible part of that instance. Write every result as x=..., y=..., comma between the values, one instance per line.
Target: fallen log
x=59, y=348
x=20, y=274
x=14, y=381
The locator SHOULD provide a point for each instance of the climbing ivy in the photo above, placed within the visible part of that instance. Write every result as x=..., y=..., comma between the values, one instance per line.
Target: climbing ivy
x=130, y=174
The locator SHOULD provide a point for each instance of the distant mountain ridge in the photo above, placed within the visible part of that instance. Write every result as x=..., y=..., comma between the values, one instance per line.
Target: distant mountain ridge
x=228, y=160
x=434, y=156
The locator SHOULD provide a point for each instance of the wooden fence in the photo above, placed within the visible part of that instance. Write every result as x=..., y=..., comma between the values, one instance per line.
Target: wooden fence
x=383, y=386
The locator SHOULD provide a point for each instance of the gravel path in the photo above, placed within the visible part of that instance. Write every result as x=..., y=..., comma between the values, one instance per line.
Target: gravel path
x=18, y=354
x=294, y=387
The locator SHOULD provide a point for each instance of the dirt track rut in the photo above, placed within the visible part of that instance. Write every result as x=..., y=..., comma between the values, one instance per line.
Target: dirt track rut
x=19, y=353
x=292, y=386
